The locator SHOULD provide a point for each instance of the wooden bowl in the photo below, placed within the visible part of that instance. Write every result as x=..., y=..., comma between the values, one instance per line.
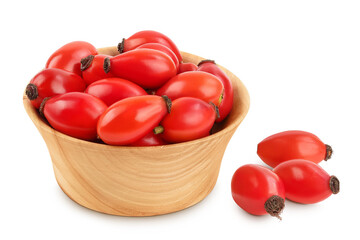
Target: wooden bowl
x=140, y=181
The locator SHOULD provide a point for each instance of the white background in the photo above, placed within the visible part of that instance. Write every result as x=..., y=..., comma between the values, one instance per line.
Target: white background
x=300, y=61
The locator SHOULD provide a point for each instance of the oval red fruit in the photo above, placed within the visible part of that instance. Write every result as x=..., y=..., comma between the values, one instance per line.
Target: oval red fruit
x=146, y=67
x=202, y=85
x=187, y=67
x=225, y=107
x=162, y=48
x=289, y=145
x=150, y=139
x=75, y=114
x=130, y=119
x=258, y=190
x=68, y=57
x=148, y=36
x=189, y=119
x=50, y=82
x=111, y=90
x=306, y=182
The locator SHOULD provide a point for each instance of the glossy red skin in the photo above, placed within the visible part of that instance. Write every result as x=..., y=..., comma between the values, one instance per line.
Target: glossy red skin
x=202, y=85
x=111, y=90
x=148, y=68
x=252, y=185
x=289, y=145
x=187, y=67
x=162, y=48
x=150, y=139
x=68, y=57
x=189, y=119
x=75, y=114
x=130, y=119
x=228, y=95
x=53, y=81
x=149, y=36
x=305, y=182
x=96, y=71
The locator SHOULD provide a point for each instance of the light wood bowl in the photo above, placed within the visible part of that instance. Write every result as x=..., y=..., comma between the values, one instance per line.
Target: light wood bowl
x=140, y=181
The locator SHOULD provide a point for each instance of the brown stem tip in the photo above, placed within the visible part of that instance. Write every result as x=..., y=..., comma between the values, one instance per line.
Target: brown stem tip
x=42, y=106
x=31, y=91
x=329, y=152
x=274, y=206
x=120, y=46
x=334, y=185
x=206, y=61
x=168, y=103
x=216, y=109
x=107, y=65
x=86, y=62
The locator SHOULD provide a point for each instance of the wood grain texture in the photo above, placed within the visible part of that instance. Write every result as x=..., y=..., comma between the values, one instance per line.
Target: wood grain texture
x=140, y=181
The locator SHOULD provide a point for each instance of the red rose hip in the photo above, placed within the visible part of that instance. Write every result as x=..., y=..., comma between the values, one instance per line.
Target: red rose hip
x=68, y=57
x=189, y=119
x=130, y=119
x=225, y=107
x=75, y=114
x=187, y=67
x=148, y=68
x=258, y=190
x=202, y=85
x=162, y=48
x=150, y=139
x=52, y=81
x=148, y=36
x=289, y=145
x=306, y=182
x=111, y=90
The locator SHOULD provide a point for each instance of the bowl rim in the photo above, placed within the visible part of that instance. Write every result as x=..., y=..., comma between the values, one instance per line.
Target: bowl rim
x=41, y=122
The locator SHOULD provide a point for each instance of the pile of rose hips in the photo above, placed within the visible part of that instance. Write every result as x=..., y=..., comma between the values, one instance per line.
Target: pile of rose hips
x=296, y=175
x=144, y=96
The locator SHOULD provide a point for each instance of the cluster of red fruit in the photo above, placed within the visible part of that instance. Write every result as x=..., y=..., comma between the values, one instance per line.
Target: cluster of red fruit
x=145, y=95
x=296, y=175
